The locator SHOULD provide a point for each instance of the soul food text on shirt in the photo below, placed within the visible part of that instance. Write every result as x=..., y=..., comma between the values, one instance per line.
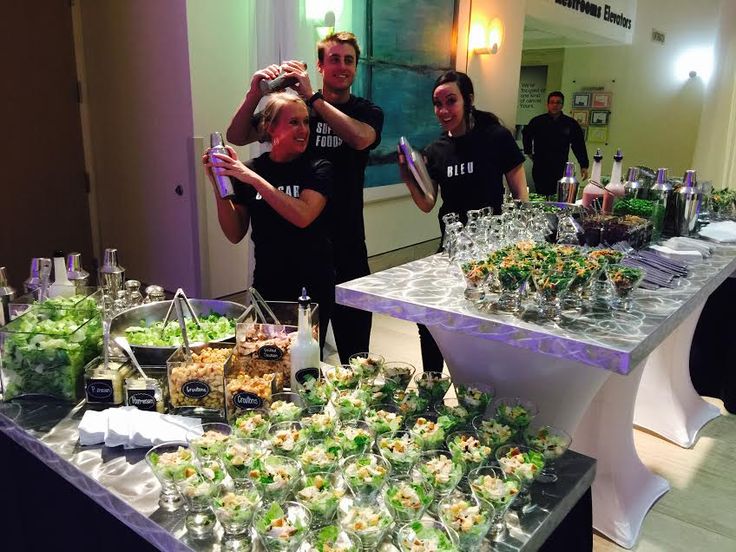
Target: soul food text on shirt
x=324, y=138
x=292, y=191
x=460, y=169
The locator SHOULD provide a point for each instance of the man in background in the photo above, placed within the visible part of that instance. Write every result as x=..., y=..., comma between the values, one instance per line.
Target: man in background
x=343, y=129
x=547, y=141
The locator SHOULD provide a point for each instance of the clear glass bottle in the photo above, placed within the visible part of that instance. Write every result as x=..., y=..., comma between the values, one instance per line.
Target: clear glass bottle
x=103, y=385
x=592, y=193
x=615, y=187
x=305, y=348
x=144, y=394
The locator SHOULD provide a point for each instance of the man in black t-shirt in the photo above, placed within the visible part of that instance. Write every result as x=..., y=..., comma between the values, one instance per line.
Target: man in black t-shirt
x=547, y=141
x=343, y=129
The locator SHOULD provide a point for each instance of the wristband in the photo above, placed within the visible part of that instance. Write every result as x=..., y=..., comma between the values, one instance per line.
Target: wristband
x=314, y=97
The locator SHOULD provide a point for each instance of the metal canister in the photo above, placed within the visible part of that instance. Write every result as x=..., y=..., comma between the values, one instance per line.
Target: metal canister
x=686, y=205
x=635, y=188
x=75, y=273
x=112, y=275
x=279, y=83
x=7, y=294
x=567, y=186
x=224, y=184
x=154, y=293
x=661, y=192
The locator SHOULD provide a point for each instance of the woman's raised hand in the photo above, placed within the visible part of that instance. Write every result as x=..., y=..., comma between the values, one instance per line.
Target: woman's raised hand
x=229, y=165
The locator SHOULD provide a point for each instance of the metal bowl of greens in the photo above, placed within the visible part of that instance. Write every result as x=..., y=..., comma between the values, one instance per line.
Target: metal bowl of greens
x=153, y=344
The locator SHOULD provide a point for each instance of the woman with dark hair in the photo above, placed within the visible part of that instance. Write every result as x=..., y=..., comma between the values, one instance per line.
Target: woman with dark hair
x=467, y=163
x=282, y=195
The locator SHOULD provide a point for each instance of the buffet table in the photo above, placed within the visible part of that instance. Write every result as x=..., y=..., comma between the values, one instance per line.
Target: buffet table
x=109, y=495
x=583, y=372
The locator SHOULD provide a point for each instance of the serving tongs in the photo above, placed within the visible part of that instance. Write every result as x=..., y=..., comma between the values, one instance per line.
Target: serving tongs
x=257, y=302
x=180, y=295
x=177, y=302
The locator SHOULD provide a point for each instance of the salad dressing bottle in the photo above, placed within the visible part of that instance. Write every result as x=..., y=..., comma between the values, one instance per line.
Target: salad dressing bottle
x=615, y=187
x=61, y=286
x=305, y=348
x=592, y=194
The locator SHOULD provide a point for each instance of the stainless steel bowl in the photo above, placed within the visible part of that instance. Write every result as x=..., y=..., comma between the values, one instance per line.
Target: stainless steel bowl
x=155, y=312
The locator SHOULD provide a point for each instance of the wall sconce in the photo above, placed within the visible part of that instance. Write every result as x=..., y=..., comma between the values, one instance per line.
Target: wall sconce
x=482, y=41
x=328, y=27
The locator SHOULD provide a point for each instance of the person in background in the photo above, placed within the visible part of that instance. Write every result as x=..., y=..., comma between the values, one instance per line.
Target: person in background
x=467, y=164
x=344, y=128
x=282, y=194
x=547, y=140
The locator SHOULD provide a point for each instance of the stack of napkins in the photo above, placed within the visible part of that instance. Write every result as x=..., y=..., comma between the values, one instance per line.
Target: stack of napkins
x=133, y=428
x=722, y=232
x=685, y=249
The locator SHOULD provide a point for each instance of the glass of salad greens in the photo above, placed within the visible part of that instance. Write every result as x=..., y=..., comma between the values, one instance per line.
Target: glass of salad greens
x=380, y=389
x=552, y=442
x=467, y=447
x=492, y=432
x=366, y=365
x=429, y=430
x=198, y=488
x=623, y=280
x=399, y=449
x=169, y=462
x=288, y=438
x=552, y=282
x=344, y=376
x=283, y=527
x=451, y=409
x=211, y=443
x=253, y=423
x=314, y=391
x=276, y=476
x=350, y=404
x=475, y=397
x=515, y=412
x=234, y=506
x=442, y=470
x=512, y=274
x=401, y=372
x=240, y=454
x=384, y=418
x=496, y=492
x=333, y=539
x=354, y=437
x=426, y=535
x=320, y=455
x=409, y=402
x=369, y=521
x=365, y=475
x=407, y=497
x=285, y=407
x=320, y=493
x=465, y=516
x=432, y=386
x=476, y=273
x=320, y=422
x=523, y=463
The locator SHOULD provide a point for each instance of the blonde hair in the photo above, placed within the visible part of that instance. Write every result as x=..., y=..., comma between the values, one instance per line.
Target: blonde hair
x=270, y=113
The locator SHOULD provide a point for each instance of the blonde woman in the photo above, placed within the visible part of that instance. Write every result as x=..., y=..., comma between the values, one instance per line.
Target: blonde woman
x=282, y=194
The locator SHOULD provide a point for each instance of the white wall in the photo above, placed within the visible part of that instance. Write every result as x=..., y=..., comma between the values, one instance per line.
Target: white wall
x=715, y=151
x=655, y=112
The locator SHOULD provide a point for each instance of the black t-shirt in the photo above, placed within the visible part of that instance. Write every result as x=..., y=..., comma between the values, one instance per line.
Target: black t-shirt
x=345, y=208
x=281, y=248
x=469, y=169
x=549, y=139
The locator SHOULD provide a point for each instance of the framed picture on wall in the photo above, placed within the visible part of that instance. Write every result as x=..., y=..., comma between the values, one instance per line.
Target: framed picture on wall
x=601, y=100
x=581, y=116
x=597, y=134
x=599, y=118
x=580, y=99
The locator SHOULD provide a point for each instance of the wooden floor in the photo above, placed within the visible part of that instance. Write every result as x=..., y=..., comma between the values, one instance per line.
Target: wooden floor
x=697, y=514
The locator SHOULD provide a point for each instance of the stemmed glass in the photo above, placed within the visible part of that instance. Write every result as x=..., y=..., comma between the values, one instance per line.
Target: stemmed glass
x=408, y=496
x=497, y=492
x=235, y=505
x=523, y=463
x=552, y=442
x=426, y=534
x=449, y=219
x=551, y=283
x=369, y=521
x=401, y=372
x=198, y=488
x=320, y=493
x=511, y=274
x=283, y=527
x=464, y=515
x=476, y=273
x=169, y=462
x=365, y=475
x=432, y=386
x=442, y=470
x=515, y=412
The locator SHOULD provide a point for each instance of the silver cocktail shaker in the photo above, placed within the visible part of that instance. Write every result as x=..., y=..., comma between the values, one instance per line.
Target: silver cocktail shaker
x=686, y=205
x=661, y=192
x=279, y=83
x=112, y=275
x=635, y=188
x=224, y=184
x=75, y=273
x=567, y=186
x=7, y=294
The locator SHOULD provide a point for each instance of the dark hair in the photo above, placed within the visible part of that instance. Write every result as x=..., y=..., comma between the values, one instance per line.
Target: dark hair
x=342, y=37
x=465, y=85
x=556, y=93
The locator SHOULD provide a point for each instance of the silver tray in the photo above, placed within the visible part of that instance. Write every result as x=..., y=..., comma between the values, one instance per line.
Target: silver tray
x=155, y=312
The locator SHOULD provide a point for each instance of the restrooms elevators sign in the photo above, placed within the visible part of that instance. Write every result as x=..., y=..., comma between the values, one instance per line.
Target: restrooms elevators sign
x=598, y=10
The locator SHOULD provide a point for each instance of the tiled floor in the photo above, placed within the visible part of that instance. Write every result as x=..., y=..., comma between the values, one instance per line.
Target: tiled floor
x=698, y=514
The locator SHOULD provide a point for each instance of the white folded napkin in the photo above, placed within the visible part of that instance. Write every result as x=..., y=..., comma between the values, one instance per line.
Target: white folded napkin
x=724, y=231
x=691, y=255
x=92, y=428
x=682, y=243
x=133, y=428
